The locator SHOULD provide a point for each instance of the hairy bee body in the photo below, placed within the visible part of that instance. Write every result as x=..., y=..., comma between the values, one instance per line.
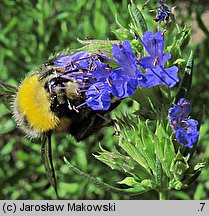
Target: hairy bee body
x=46, y=102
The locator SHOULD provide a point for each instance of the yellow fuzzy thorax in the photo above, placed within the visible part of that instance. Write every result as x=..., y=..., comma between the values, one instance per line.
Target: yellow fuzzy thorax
x=34, y=104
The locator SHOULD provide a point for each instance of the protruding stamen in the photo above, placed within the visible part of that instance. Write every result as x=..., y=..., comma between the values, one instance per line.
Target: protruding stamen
x=97, y=89
x=90, y=65
x=77, y=92
x=69, y=105
x=156, y=61
x=109, y=82
x=163, y=32
x=184, y=104
x=81, y=105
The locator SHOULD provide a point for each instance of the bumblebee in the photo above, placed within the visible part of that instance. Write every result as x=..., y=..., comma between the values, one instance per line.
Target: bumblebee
x=48, y=100
x=47, y=103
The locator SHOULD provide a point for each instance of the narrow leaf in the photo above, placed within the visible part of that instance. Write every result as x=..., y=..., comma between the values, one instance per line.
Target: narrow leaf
x=105, y=186
x=185, y=85
x=137, y=18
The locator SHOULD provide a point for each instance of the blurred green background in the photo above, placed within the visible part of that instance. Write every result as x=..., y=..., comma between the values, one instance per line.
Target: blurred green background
x=32, y=30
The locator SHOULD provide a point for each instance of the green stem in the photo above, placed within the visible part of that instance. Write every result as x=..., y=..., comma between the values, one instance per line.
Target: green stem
x=163, y=195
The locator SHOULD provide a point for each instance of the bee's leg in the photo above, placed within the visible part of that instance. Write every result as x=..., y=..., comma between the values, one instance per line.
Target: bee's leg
x=46, y=153
x=113, y=105
x=93, y=123
x=117, y=128
x=111, y=122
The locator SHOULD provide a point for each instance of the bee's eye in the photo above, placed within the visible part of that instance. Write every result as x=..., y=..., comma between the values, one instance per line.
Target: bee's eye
x=49, y=85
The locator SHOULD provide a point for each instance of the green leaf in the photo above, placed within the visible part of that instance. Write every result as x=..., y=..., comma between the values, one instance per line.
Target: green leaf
x=137, y=18
x=153, y=101
x=130, y=191
x=134, y=152
x=192, y=173
x=183, y=91
x=123, y=34
x=179, y=166
x=8, y=148
x=164, y=149
x=122, y=163
x=97, y=45
x=180, y=41
x=8, y=27
x=6, y=94
x=146, y=142
x=159, y=172
x=129, y=181
x=201, y=25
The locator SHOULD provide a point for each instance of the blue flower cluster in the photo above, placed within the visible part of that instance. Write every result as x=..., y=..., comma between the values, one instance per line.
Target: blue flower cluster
x=184, y=128
x=163, y=12
x=100, y=82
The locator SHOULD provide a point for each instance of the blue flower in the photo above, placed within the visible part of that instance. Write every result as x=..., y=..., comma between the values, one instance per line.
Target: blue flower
x=100, y=82
x=122, y=86
x=181, y=110
x=126, y=59
x=79, y=60
x=163, y=12
x=98, y=96
x=187, y=133
x=184, y=128
x=156, y=73
x=122, y=81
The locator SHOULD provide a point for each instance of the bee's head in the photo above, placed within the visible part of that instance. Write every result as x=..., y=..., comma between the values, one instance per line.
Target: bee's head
x=42, y=104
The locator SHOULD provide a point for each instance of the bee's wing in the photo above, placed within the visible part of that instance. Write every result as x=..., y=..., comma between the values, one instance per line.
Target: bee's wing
x=6, y=93
x=46, y=152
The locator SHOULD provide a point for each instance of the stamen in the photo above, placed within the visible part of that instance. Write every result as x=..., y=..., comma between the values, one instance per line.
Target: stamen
x=59, y=88
x=165, y=20
x=71, y=63
x=50, y=89
x=81, y=105
x=55, y=73
x=75, y=108
x=109, y=82
x=156, y=61
x=184, y=124
x=95, y=67
x=77, y=92
x=146, y=3
x=69, y=105
x=163, y=32
x=185, y=104
x=90, y=65
x=96, y=88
